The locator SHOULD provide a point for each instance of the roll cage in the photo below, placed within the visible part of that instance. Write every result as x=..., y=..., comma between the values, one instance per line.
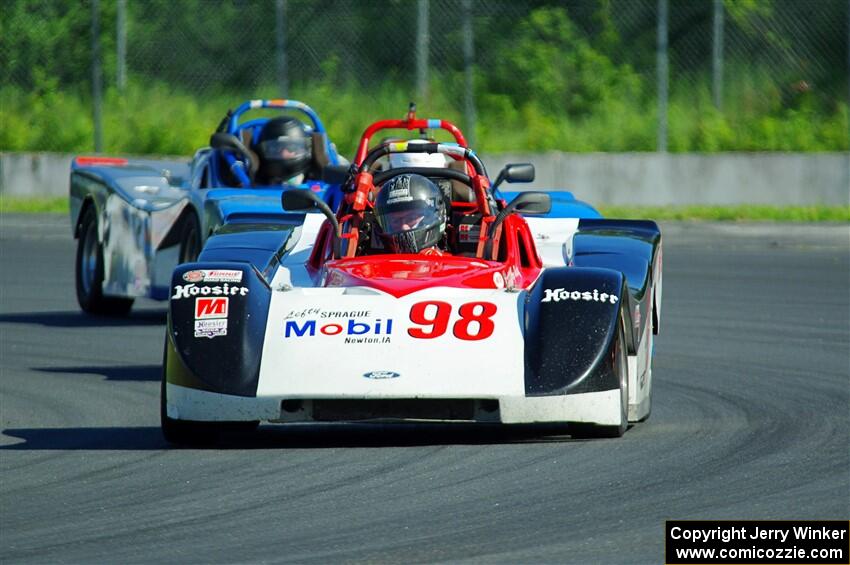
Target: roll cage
x=346, y=233
x=233, y=138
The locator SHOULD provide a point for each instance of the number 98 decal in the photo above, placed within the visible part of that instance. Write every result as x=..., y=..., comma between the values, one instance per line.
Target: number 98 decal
x=433, y=316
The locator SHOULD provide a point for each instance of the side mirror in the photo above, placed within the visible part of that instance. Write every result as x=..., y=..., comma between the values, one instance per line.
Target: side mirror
x=299, y=200
x=530, y=203
x=515, y=172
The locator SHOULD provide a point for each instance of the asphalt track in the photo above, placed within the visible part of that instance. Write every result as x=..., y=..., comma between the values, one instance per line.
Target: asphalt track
x=751, y=420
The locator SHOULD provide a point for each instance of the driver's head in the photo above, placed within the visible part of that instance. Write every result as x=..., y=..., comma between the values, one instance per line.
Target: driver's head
x=411, y=213
x=285, y=150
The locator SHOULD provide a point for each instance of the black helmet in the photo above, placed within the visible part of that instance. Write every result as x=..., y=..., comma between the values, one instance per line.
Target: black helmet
x=284, y=148
x=411, y=213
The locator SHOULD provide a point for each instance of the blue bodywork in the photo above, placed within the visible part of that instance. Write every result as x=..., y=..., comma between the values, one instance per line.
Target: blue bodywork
x=143, y=206
x=564, y=205
x=221, y=201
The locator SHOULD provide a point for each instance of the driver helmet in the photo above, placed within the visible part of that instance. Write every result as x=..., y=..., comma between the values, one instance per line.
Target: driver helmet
x=411, y=213
x=285, y=150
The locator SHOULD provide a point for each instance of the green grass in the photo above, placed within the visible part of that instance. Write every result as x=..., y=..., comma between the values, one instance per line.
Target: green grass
x=33, y=205
x=749, y=213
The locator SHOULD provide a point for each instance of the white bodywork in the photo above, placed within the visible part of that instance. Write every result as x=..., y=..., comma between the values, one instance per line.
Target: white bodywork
x=356, y=366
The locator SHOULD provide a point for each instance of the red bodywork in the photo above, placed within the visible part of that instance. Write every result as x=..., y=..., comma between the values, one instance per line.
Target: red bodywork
x=95, y=160
x=513, y=261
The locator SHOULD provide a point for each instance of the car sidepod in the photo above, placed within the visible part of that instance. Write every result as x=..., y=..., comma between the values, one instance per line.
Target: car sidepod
x=216, y=325
x=574, y=349
x=634, y=248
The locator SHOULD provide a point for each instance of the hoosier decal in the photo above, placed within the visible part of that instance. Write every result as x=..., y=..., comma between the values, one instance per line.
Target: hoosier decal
x=191, y=289
x=558, y=294
x=210, y=328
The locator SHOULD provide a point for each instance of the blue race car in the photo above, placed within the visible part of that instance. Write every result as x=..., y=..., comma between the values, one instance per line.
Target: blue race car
x=136, y=219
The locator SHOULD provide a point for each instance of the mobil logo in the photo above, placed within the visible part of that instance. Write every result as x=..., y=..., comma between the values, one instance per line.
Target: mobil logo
x=345, y=326
x=213, y=307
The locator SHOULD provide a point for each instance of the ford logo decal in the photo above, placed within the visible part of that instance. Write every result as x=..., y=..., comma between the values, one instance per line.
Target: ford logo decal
x=381, y=375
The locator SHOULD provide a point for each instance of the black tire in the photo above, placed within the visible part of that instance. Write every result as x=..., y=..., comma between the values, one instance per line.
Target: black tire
x=89, y=272
x=182, y=432
x=190, y=239
x=651, y=334
x=583, y=430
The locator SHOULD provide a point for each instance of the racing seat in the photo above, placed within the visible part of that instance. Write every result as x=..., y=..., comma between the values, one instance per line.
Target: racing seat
x=465, y=221
x=320, y=155
x=460, y=191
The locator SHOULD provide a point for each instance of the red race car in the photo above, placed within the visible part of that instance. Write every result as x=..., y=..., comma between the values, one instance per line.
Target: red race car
x=424, y=298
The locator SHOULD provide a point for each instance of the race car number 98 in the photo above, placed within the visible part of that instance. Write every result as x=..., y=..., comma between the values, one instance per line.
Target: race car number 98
x=475, y=321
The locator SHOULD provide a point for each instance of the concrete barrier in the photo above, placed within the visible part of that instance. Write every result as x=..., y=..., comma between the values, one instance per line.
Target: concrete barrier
x=661, y=179
x=643, y=179
x=34, y=174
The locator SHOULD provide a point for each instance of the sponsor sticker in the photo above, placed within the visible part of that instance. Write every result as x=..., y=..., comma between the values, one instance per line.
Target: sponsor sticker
x=191, y=290
x=513, y=278
x=399, y=190
x=211, y=328
x=468, y=233
x=498, y=280
x=319, y=313
x=193, y=276
x=351, y=329
x=210, y=308
x=379, y=375
x=558, y=294
x=473, y=321
x=213, y=275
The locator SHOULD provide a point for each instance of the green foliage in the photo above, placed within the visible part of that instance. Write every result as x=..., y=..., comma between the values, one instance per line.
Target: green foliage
x=57, y=50
x=156, y=119
x=550, y=64
x=555, y=86
x=50, y=120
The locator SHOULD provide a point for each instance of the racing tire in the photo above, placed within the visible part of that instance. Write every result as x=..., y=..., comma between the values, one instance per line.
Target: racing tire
x=183, y=432
x=89, y=272
x=585, y=430
x=649, y=376
x=191, y=433
x=190, y=239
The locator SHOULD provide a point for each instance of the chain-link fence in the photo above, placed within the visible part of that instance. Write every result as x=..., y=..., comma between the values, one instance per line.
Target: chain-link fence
x=577, y=75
